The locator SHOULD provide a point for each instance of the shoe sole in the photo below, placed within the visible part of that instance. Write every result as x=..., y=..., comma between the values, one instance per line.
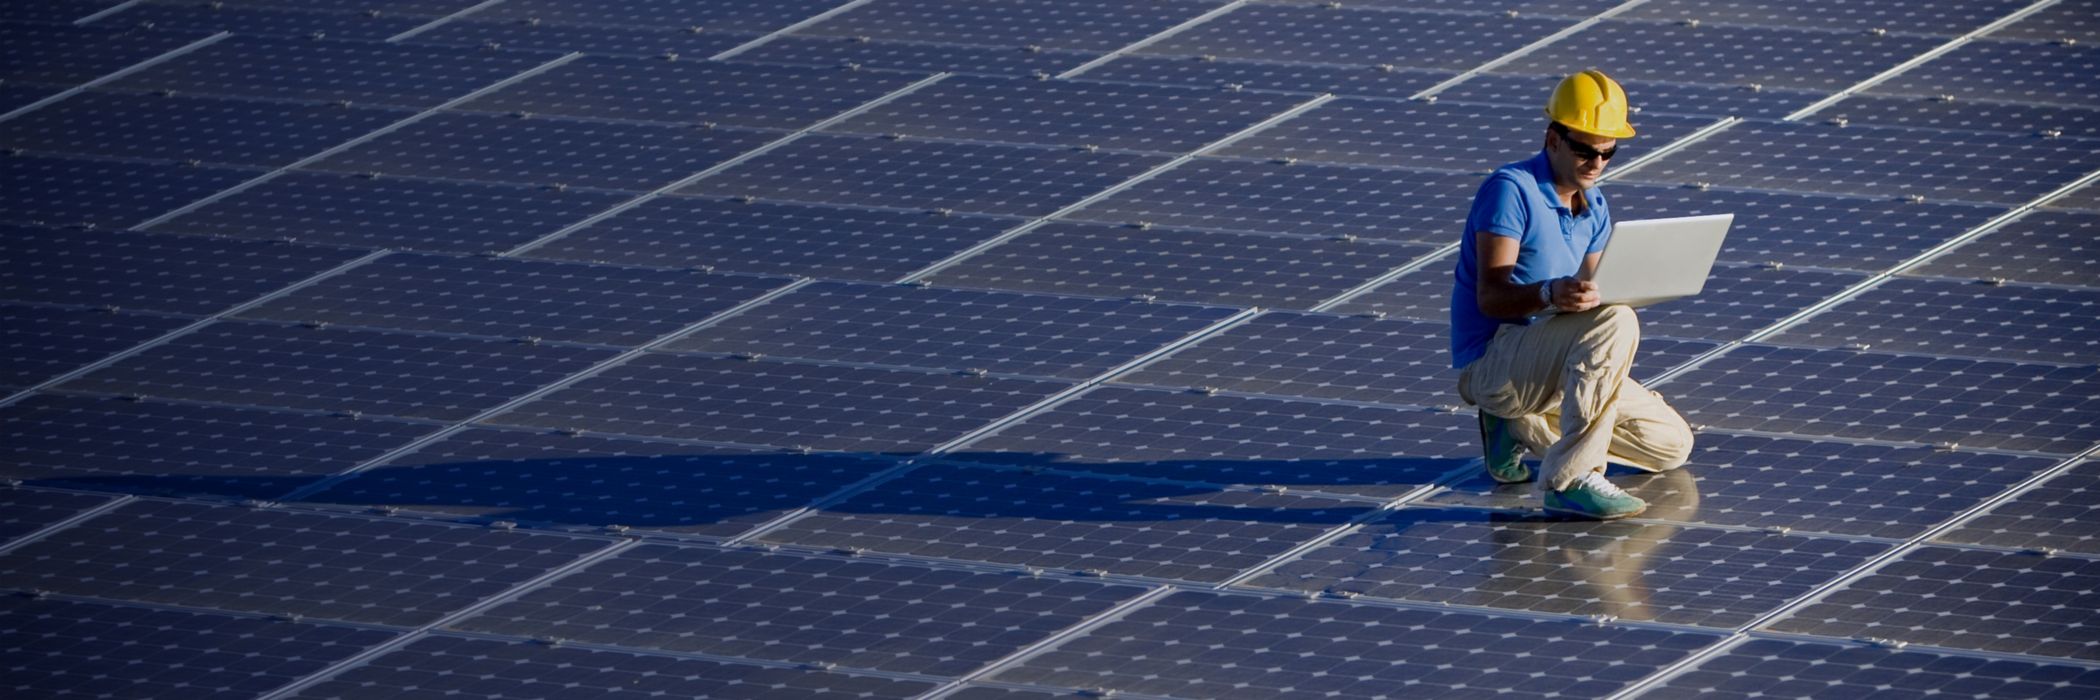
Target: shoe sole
x=1528, y=478
x=1583, y=515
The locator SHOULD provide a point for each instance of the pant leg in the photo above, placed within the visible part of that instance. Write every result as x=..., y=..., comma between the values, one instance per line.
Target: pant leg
x=1649, y=436
x=1575, y=363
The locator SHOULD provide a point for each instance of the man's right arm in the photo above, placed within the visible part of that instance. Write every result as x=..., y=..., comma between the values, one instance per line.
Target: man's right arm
x=1500, y=297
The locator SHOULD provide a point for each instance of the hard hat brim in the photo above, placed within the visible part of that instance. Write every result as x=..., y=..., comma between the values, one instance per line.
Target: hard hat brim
x=1623, y=133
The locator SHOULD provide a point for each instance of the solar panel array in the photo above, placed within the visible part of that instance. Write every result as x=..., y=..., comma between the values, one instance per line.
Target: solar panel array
x=1019, y=348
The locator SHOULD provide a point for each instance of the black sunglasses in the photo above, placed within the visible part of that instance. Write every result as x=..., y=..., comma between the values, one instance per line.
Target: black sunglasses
x=1583, y=151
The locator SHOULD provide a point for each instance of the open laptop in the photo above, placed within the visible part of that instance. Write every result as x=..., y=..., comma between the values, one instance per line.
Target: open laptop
x=1656, y=260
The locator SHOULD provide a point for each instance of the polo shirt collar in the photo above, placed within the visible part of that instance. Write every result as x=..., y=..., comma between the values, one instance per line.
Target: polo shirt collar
x=1542, y=172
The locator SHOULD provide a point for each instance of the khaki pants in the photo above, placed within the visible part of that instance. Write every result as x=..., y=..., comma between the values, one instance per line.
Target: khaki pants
x=1562, y=381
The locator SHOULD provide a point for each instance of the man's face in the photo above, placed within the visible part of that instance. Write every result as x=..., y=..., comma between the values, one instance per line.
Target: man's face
x=1578, y=159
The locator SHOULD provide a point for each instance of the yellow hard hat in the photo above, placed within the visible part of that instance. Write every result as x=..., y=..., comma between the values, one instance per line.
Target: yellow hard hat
x=1592, y=103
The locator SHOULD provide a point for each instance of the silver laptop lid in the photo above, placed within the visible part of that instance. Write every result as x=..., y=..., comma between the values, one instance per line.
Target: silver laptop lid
x=1655, y=260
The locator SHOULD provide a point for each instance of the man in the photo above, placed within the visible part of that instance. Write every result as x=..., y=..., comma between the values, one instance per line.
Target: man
x=1546, y=365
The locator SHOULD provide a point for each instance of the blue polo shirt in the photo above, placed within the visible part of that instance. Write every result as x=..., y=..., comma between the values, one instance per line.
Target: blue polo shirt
x=1518, y=201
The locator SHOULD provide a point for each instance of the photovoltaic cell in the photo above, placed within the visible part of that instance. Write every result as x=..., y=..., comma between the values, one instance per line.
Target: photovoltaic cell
x=1788, y=668
x=1179, y=265
x=1217, y=645
x=535, y=151
x=1469, y=137
x=23, y=511
x=341, y=369
x=1805, y=486
x=1317, y=447
x=1627, y=570
x=359, y=569
x=666, y=42
x=51, y=191
x=38, y=343
x=1340, y=35
x=1944, y=17
x=999, y=332
x=1218, y=194
x=2056, y=514
x=1864, y=395
x=1659, y=354
x=1316, y=356
x=817, y=610
x=180, y=274
x=1738, y=301
x=986, y=692
x=1067, y=113
x=209, y=130
x=589, y=481
x=14, y=96
x=246, y=21
x=2085, y=198
x=693, y=92
x=157, y=447
x=62, y=54
x=361, y=72
x=2013, y=71
x=1966, y=599
x=1936, y=112
x=1082, y=25
x=1819, y=230
x=1854, y=160
x=920, y=174
x=1057, y=522
x=429, y=8
x=1424, y=294
x=2073, y=20
x=484, y=668
x=1307, y=78
x=1548, y=8
x=1711, y=54
x=53, y=12
x=2008, y=322
x=60, y=648
x=1645, y=96
x=752, y=16
x=507, y=298
x=775, y=238
x=777, y=404
x=860, y=52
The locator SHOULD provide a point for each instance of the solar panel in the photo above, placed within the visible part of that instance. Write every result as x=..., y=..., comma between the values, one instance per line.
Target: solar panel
x=341, y=369
x=38, y=343
x=2054, y=515
x=58, y=648
x=1658, y=354
x=506, y=298
x=427, y=8
x=807, y=609
x=62, y=54
x=488, y=668
x=52, y=12
x=1799, y=668
x=1907, y=398
x=544, y=151
x=863, y=52
x=1943, y=17
x=183, y=128
x=1070, y=524
x=264, y=21
x=1064, y=113
x=161, y=447
x=2048, y=247
x=2004, y=322
x=1243, y=440
x=819, y=407
x=1857, y=160
x=1549, y=8
x=1036, y=335
x=1821, y=230
x=1179, y=265
x=2086, y=198
x=751, y=16
x=1469, y=137
x=1959, y=598
x=926, y=175
x=53, y=191
x=1218, y=194
x=1307, y=78
x=178, y=274
x=586, y=481
x=1937, y=112
x=693, y=92
x=2072, y=20
x=15, y=96
x=2006, y=70
x=775, y=238
x=23, y=511
x=1714, y=54
x=1740, y=300
x=1646, y=97
x=393, y=212
x=1423, y=294
x=1341, y=35
x=1204, y=644
x=362, y=73
x=333, y=567
x=1082, y=25
x=668, y=42
x=1777, y=483
x=1316, y=356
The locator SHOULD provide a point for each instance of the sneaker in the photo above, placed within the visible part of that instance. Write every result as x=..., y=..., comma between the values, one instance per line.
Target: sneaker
x=1505, y=456
x=1592, y=497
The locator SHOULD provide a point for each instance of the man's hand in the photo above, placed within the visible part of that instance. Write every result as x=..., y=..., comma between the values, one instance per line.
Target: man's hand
x=1572, y=295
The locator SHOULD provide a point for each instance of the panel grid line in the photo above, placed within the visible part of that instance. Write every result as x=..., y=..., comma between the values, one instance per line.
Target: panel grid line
x=171, y=54
x=442, y=21
x=1155, y=38
x=770, y=37
x=1526, y=49
x=48, y=530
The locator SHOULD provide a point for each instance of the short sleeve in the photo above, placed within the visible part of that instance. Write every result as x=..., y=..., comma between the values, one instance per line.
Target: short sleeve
x=1604, y=224
x=1498, y=208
